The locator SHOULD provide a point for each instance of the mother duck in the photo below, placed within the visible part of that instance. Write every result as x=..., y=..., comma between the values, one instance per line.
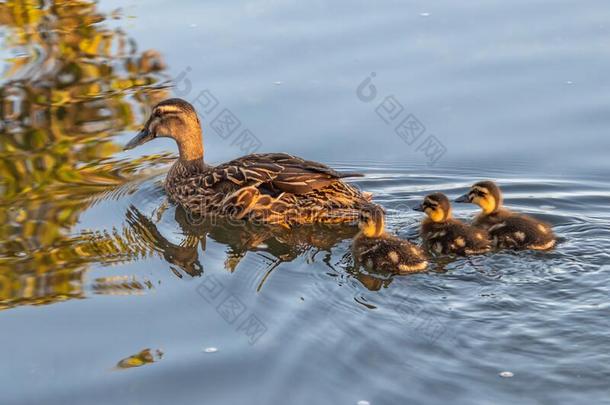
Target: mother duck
x=272, y=188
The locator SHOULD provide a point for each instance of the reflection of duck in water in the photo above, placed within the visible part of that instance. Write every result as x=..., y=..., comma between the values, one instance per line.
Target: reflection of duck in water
x=274, y=244
x=272, y=188
x=184, y=257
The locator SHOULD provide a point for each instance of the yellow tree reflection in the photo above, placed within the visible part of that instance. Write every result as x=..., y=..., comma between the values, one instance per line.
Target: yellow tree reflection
x=71, y=87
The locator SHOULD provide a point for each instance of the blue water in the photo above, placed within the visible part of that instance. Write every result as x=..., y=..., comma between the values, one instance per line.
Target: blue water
x=96, y=265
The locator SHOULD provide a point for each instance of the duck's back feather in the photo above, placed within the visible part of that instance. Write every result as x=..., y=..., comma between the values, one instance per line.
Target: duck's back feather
x=272, y=187
x=281, y=173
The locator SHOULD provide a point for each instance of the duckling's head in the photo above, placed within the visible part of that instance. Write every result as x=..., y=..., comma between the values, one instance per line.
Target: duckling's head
x=372, y=222
x=173, y=118
x=436, y=206
x=486, y=194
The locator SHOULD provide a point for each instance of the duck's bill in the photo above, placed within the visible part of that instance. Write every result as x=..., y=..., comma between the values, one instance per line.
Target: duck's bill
x=463, y=199
x=142, y=137
x=418, y=208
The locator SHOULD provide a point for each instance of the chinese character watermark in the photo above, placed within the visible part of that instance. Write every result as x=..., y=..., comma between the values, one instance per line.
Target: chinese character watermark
x=406, y=126
x=232, y=309
x=223, y=121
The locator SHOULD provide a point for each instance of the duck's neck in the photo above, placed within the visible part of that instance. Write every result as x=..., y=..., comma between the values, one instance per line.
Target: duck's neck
x=190, y=167
x=191, y=154
x=191, y=148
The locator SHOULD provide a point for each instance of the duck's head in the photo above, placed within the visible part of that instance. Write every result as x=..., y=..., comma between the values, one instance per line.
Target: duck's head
x=436, y=206
x=372, y=222
x=173, y=118
x=485, y=194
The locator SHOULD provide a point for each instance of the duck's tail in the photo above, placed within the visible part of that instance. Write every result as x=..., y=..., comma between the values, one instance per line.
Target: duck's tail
x=343, y=175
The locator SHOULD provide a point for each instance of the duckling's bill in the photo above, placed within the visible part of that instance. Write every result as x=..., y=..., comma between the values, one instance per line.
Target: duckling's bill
x=463, y=199
x=419, y=208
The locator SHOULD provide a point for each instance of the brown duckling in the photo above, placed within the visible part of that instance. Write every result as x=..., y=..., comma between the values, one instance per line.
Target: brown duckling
x=442, y=234
x=377, y=250
x=272, y=188
x=507, y=229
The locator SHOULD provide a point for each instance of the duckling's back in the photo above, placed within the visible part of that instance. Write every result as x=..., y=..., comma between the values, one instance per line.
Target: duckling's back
x=389, y=254
x=486, y=221
x=454, y=237
x=522, y=232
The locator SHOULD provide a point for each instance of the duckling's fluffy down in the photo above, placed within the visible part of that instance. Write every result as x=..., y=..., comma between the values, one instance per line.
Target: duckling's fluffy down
x=454, y=237
x=389, y=253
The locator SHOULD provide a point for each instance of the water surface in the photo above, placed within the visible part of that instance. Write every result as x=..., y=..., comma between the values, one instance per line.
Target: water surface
x=109, y=292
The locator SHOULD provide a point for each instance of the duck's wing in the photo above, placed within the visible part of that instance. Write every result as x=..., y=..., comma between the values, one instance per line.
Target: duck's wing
x=276, y=172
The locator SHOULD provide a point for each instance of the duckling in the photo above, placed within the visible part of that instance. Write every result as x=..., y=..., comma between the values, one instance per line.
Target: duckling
x=507, y=230
x=443, y=234
x=272, y=188
x=377, y=250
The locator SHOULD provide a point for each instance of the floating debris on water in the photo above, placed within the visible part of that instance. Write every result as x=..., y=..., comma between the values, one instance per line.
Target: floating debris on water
x=363, y=402
x=424, y=14
x=146, y=356
x=506, y=374
x=210, y=349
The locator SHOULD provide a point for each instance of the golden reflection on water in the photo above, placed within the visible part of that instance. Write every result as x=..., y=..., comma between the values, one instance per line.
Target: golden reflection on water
x=72, y=85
